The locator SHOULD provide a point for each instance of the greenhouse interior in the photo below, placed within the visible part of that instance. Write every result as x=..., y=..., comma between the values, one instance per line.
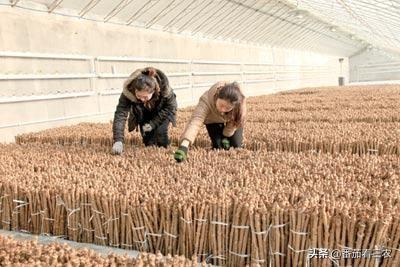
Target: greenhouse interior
x=200, y=133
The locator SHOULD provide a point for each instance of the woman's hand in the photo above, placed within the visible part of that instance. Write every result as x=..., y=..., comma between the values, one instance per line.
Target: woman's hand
x=147, y=128
x=117, y=148
x=181, y=154
x=226, y=144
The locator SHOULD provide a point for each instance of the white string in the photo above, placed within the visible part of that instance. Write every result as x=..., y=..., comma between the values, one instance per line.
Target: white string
x=73, y=228
x=278, y=253
x=220, y=257
x=138, y=228
x=171, y=235
x=261, y=233
x=219, y=223
x=279, y=225
x=140, y=242
x=258, y=260
x=299, y=233
x=113, y=245
x=100, y=237
x=21, y=203
x=152, y=234
x=186, y=221
x=72, y=211
x=98, y=212
x=239, y=255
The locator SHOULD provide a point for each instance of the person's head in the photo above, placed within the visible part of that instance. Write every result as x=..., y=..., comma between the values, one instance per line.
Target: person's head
x=145, y=85
x=229, y=101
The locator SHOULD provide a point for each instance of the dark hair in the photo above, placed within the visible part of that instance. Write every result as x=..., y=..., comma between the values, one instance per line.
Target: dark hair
x=232, y=93
x=146, y=81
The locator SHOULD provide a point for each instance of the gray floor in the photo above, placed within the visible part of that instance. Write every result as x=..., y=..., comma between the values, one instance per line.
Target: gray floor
x=41, y=239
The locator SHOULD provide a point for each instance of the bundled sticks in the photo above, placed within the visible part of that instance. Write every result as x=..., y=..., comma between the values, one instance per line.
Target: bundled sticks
x=258, y=206
x=360, y=120
x=29, y=253
x=225, y=208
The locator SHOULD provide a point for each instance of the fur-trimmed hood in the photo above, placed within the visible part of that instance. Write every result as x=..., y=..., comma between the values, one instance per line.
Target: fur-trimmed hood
x=162, y=80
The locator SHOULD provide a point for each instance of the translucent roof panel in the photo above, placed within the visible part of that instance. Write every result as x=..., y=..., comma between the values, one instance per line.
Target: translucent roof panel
x=376, y=22
x=340, y=27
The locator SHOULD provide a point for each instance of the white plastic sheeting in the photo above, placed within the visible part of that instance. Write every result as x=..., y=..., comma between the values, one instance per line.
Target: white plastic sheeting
x=341, y=27
x=375, y=23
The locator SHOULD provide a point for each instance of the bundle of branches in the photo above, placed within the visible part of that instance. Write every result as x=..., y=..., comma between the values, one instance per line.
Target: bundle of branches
x=357, y=119
x=228, y=208
x=30, y=253
x=356, y=137
x=359, y=138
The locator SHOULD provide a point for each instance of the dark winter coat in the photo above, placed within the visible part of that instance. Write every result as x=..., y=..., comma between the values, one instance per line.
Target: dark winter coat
x=165, y=108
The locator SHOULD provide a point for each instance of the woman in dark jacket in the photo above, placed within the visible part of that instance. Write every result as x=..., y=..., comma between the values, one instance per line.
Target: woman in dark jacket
x=151, y=105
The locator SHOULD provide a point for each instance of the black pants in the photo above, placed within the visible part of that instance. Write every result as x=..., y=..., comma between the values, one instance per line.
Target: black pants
x=158, y=136
x=215, y=131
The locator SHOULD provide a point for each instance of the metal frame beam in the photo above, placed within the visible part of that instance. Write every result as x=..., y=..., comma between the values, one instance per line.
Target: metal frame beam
x=238, y=19
x=217, y=18
x=157, y=17
x=218, y=7
x=88, y=7
x=54, y=5
x=181, y=15
x=133, y=17
x=255, y=24
x=193, y=18
x=117, y=9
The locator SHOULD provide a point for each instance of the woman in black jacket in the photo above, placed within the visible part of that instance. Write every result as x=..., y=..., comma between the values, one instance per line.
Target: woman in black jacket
x=151, y=105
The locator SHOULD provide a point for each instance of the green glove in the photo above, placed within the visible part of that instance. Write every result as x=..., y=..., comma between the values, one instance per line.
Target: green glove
x=225, y=143
x=181, y=154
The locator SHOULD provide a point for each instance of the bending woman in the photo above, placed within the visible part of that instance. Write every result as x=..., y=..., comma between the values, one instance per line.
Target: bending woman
x=151, y=105
x=222, y=109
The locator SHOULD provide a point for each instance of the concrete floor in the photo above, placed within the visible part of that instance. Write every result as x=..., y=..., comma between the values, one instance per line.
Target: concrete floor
x=44, y=240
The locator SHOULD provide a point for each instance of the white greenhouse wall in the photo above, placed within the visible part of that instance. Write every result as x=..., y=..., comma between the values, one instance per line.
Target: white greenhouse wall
x=59, y=70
